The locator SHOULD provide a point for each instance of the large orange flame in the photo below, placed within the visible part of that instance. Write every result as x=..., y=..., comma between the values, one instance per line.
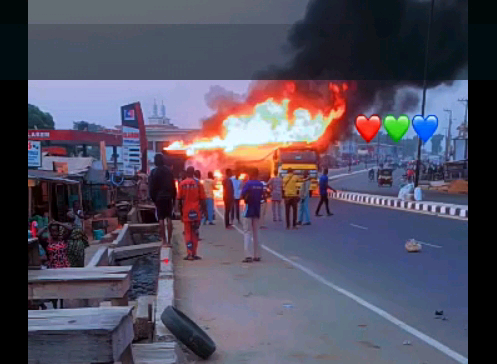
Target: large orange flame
x=273, y=123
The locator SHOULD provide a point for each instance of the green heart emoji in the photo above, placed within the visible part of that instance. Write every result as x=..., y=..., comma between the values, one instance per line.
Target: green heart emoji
x=397, y=128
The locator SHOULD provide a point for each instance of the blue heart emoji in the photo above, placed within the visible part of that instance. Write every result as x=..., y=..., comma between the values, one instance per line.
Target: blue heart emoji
x=425, y=128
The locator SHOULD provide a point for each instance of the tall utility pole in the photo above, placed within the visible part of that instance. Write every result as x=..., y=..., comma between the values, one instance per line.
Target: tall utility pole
x=425, y=89
x=378, y=151
x=465, y=124
x=449, y=136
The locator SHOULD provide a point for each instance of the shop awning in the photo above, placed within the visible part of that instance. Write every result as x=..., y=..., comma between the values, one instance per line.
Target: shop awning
x=47, y=176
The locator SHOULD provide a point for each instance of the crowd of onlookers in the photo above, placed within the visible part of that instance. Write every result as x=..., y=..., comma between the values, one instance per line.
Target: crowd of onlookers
x=195, y=201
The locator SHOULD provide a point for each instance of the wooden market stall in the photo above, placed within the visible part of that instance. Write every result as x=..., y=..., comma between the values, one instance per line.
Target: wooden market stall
x=52, y=193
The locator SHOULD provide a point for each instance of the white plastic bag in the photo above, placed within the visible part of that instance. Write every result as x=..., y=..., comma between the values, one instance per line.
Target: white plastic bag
x=412, y=246
x=406, y=191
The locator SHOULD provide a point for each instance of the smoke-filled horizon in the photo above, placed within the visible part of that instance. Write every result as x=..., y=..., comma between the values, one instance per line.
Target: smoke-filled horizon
x=362, y=41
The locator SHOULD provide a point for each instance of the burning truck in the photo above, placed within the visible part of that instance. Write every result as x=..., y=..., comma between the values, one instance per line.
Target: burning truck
x=269, y=160
x=280, y=126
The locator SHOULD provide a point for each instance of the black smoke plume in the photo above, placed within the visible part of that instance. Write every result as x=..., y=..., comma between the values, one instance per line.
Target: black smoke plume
x=380, y=45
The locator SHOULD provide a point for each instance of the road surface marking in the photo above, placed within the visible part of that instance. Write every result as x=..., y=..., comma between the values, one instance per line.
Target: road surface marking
x=427, y=339
x=455, y=217
x=433, y=246
x=359, y=227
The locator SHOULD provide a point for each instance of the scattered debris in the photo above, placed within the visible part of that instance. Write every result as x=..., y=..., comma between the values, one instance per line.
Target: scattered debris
x=413, y=246
x=459, y=187
x=369, y=345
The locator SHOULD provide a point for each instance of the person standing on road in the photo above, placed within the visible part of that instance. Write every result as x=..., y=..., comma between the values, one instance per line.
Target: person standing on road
x=237, y=187
x=163, y=193
x=276, y=187
x=324, y=187
x=264, y=202
x=305, y=197
x=252, y=194
x=209, y=186
x=192, y=201
x=229, y=197
x=292, y=199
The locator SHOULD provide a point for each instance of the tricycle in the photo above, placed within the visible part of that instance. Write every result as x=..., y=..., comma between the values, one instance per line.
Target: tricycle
x=385, y=177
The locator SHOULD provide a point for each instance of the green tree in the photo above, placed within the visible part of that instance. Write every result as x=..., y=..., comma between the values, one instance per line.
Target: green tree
x=436, y=143
x=38, y=119
x=86, y=126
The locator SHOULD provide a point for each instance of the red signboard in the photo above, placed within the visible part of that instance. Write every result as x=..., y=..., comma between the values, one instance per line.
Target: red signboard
x=75, y=137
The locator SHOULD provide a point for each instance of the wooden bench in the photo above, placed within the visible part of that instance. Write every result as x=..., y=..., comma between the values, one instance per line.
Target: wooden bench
x=100, y=283
x=83, y=336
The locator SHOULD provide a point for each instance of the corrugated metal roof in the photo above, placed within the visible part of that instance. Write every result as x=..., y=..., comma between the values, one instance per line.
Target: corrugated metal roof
x=38, y=175
x=76, y=166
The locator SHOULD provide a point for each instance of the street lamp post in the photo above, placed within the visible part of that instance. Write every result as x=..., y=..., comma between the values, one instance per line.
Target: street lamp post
x=449, y=135
x=425, y=89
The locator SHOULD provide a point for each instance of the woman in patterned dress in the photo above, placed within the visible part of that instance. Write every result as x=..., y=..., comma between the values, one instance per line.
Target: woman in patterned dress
x=56, y=247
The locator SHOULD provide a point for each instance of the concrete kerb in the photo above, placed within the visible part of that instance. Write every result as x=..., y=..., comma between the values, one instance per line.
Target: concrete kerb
x=166, y=289
x=427, y=207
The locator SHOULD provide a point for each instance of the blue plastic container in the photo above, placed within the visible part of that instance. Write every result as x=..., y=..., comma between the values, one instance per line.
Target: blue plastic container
x=98, y=234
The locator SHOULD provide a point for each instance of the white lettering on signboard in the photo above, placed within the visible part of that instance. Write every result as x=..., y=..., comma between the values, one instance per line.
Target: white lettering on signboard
x=131, y=151
x=38, y=135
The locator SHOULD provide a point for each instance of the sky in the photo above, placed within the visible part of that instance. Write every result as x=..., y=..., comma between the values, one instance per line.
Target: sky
x=100, y=101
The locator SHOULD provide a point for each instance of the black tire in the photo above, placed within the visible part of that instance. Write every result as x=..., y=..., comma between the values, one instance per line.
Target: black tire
x=188, y=333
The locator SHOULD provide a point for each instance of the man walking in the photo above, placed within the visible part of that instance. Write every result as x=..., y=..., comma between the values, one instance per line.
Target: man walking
x=229, y=197
x=252, y=194
x=163, y=193
x=323, y=191
x=276, y=187
x=192, y=202
x=305, y=196
x=291, y=198
x=237, y=187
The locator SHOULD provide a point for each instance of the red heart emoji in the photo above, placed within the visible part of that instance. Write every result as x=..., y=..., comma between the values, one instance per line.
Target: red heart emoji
x=368, y=128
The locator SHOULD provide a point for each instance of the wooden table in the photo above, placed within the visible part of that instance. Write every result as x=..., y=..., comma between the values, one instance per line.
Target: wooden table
x=102, y=335
x=100, y=283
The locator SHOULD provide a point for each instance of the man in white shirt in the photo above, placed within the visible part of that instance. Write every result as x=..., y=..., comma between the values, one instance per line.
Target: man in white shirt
x=237, y=186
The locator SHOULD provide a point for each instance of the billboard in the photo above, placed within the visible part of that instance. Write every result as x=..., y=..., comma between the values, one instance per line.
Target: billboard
x=135, y=144
x=34, y=154
x=460, y=149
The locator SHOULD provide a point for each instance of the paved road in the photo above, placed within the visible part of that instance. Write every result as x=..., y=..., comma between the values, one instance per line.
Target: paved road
x=361, y=250
x=360, y=183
